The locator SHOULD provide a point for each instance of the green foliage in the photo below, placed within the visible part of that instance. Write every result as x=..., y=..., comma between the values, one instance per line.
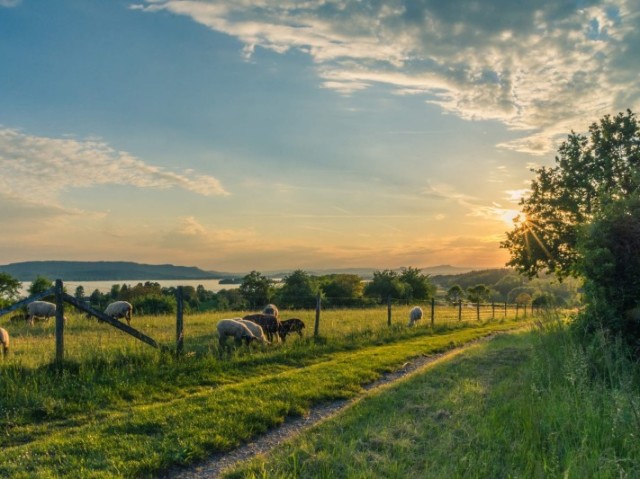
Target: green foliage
x=39, y=285
x=299, y=290
x=610, y=248
x=9, y=289
x=154, y=304
x=478, y=293
x=342, y=289
x=386, y=284
x=256, y=289
x=455, y=294
x=590, y=173
x=420, y=284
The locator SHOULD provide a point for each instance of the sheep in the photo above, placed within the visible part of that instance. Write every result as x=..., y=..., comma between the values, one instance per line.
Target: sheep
x=269, y=323
x=233, y=328
x=4, y=341
x=255, y=329
x=293, y=325
x=41, y=309
x=120, y=309
x=415, y=315
x=271, y=309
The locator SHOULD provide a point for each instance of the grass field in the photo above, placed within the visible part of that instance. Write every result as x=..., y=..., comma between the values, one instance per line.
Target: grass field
x=529, y=405
x=119, y=408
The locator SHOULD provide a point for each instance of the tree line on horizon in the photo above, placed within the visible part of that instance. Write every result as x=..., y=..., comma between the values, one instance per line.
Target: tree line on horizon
x=301, y=290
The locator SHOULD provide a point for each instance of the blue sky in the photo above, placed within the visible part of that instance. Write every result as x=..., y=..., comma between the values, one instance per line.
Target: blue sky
x=269, y=134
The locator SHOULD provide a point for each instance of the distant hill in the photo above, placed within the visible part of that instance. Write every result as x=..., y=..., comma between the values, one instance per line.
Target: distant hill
x=105, y=270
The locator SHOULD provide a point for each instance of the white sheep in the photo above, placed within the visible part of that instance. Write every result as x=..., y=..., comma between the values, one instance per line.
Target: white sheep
x=41, y=309
x=271, y=309
x=236, y=329
x=4, y=341
x=255, y=329
x=120, y=309
x=415, y=315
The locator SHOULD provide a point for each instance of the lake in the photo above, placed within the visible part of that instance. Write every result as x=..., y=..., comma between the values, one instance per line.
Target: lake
x=105, y=286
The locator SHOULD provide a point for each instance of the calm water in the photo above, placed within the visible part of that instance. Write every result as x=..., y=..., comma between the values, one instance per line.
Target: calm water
x=105, y=286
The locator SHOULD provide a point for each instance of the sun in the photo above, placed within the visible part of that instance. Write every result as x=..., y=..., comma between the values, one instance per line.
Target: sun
x=512, y=217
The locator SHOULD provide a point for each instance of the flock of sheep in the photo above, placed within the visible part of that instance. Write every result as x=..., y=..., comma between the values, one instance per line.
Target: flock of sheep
x=264, y=327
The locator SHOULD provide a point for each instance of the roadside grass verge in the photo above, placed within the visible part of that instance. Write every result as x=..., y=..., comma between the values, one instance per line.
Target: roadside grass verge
x=137, y=414
x=535, y=404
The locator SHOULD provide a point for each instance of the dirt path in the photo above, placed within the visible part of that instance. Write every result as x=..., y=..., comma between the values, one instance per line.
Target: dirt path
x=217, y=463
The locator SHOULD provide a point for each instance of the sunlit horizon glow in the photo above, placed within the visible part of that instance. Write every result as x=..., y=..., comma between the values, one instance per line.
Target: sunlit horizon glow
x=266, y=135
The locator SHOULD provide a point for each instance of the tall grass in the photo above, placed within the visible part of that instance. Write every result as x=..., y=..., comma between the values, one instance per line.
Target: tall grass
x=539, y=404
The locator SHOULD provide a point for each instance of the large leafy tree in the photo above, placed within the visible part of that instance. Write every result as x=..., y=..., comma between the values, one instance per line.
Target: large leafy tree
x=299, y=290
x=590, y=173
x=256, y=289
x=342, y=289
x=386, y=284
x=421, y=287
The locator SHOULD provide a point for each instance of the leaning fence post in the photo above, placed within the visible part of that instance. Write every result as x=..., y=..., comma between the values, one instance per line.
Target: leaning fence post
x=59, y=321
x=316, y=327
x=389, y=310
x=459, y=310
x=179, y=320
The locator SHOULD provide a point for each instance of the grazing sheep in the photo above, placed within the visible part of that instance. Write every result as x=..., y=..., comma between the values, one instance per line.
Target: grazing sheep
x=4, y=341
x=293, y=325
x=269, y=323
x=233, y=328
x=120, y=309
x=41, y=309
x=255, y=329
x=415, y=315
x=271, y=309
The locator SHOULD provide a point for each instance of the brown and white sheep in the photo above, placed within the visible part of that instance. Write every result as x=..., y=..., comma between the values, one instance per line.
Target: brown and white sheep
x=120, y=309
x=269, y=323
x=292, y=325
x=233, y=328
x=41, y=310
x=271, y=309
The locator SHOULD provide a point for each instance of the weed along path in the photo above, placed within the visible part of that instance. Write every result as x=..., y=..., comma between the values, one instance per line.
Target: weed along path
x=215, y=465
x=248, y=404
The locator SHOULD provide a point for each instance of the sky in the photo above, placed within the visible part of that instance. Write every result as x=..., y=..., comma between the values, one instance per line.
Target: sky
x=274, y=134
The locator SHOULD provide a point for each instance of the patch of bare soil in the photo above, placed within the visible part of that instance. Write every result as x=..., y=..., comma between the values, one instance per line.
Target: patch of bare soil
x=217, y=463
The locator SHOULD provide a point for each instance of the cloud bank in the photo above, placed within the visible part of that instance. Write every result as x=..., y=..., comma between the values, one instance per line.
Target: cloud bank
x=36, y=169
x=540, y=67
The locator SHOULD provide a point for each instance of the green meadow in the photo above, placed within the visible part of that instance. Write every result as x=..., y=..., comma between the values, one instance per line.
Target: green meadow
x=119, y=408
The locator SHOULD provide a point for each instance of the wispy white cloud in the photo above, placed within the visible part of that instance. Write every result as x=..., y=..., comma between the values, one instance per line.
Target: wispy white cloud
x=37, y=169
x=539, y=67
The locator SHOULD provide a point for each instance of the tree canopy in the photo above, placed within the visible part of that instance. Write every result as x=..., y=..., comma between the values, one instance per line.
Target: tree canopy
x=590, y=172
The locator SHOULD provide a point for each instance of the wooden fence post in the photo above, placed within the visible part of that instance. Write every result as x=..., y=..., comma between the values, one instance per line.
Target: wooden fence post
x=525, y=310
x=478, y=310
x=179, y=320
x=505, y=309
x=433, y=311
x=59, y=321
x=459, y=310
x=389, y=310
x=316, y=328
x=517, y=307
x=493, y=310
